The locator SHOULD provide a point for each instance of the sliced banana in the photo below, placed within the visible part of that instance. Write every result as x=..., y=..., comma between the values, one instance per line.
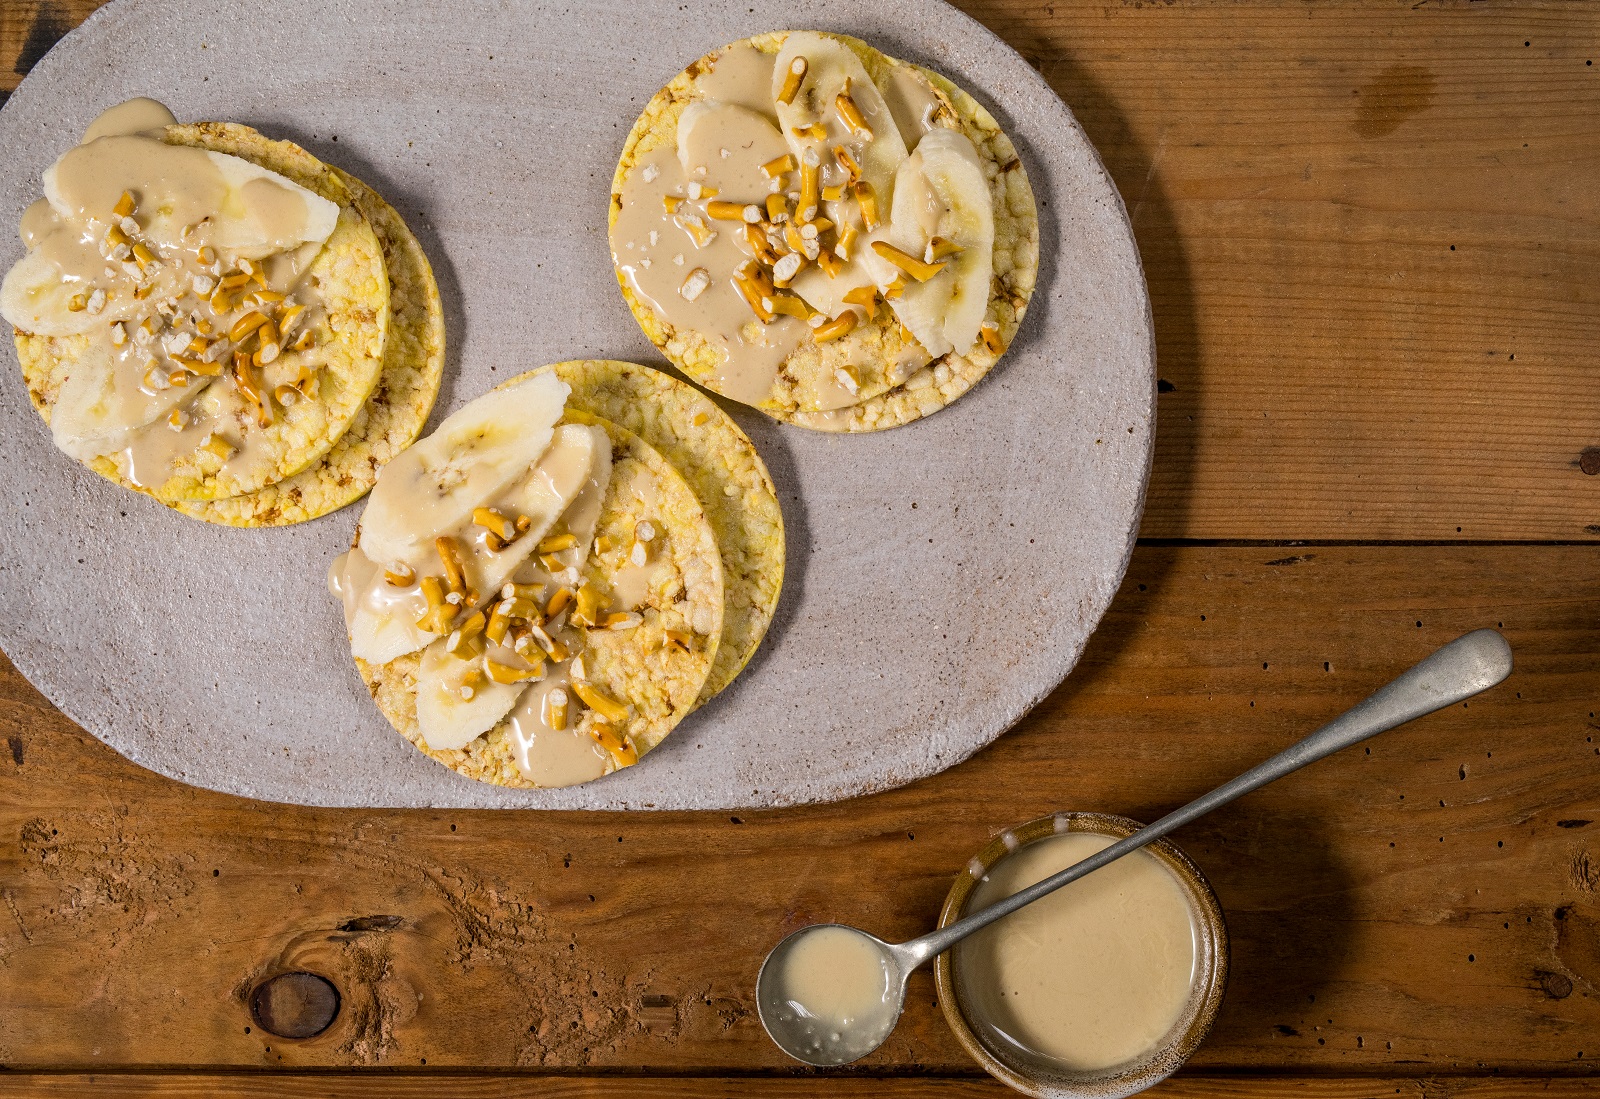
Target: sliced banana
x=573, y=472
x=63, y=287
x=708, y=128
x=98, y=411
x=474, y=456
x=921, y=309
x=456, y=703
x=826, y=295
x=379, y=637
x=380, y=616
x=578, y=502
x=576, y=467
x=35, y=298
x=831, y=67
x=941, y=190
x=863, y=267
x=244, y=201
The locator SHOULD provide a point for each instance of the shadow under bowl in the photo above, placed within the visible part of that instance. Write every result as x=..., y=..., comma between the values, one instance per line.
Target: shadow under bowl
x=1044, y=1078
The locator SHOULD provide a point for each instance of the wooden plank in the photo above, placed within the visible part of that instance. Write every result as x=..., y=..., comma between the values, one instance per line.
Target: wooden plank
x=1373, y=252
x=438, y=1086
x=1433, y=903
x=1373, y=247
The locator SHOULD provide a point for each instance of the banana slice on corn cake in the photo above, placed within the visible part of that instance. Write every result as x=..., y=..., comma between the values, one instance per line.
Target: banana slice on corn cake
x=535, y=596
x=844, y=240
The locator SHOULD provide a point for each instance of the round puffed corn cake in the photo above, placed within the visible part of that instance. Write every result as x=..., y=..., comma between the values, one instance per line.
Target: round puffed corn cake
x=873, y=345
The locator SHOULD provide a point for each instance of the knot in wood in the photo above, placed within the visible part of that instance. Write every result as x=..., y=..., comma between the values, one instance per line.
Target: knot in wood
x=295, y=1005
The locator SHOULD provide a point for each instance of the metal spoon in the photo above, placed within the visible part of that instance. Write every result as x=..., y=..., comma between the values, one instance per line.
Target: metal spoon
x=1466, y=666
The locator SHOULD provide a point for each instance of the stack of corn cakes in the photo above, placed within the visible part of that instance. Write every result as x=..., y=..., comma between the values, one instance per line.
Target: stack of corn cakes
x=539, y=613
x=239, y=380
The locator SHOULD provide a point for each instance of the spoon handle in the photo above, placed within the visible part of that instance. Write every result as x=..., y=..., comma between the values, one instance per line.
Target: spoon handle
x=1466, y=666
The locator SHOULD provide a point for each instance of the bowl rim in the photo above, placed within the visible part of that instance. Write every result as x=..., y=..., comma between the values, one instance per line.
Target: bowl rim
x=1212, y=956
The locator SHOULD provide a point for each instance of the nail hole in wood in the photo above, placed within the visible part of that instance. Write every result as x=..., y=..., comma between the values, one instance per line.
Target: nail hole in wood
x=295, y=1005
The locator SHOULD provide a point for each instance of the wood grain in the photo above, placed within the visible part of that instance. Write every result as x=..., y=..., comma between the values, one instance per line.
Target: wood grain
x=437, y=1086
x=1370, y=232
x=1373, y=249
x=1435, y=902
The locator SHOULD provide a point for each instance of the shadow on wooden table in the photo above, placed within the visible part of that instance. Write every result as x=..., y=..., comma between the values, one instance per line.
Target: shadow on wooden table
x=1135, y=167
x=1288, y=899
x=1137, y=172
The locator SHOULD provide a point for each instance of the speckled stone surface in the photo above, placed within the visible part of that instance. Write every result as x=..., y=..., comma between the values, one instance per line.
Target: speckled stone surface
x=943, y=577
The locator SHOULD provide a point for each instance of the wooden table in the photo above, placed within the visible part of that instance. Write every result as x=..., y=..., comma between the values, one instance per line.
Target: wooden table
x=1372, y=234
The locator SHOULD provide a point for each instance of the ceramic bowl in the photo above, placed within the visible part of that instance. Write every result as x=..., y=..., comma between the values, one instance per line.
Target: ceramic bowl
x=1045, y=1079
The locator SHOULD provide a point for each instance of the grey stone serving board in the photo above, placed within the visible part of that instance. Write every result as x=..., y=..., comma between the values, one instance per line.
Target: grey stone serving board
x=943, y=577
